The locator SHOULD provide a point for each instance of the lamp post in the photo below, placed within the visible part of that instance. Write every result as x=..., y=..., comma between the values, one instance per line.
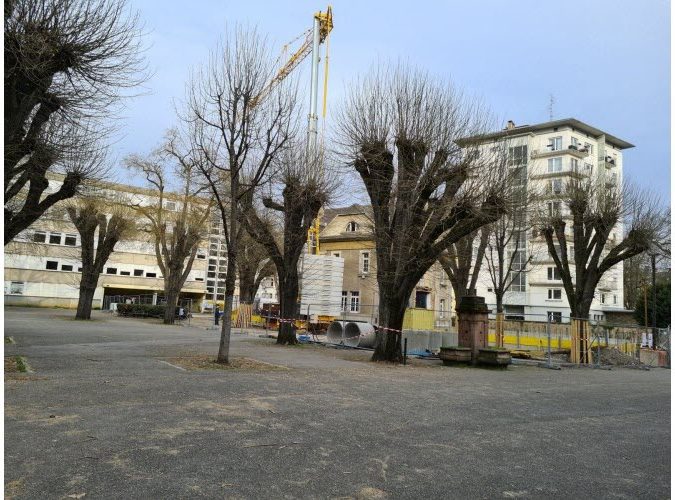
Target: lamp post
x=653, y=254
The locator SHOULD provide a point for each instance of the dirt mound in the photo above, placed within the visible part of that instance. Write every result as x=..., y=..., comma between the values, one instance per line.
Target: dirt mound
x=614, y=357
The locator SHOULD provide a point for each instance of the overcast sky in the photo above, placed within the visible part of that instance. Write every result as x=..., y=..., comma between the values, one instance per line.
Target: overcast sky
x=605, y=62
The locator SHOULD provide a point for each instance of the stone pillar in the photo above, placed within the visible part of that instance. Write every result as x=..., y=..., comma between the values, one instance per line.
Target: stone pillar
x=472, y=313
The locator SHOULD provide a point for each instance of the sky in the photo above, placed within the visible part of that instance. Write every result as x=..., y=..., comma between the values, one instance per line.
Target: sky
x=606, y=63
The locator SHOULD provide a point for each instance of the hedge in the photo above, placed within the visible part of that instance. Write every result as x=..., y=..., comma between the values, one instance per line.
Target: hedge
x=141, y=310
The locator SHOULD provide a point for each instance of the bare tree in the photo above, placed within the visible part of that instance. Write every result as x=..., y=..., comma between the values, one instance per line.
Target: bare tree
x=596, y=213
x=67, y=64
x=253, y=265
x=399, y=129
x=102, y=223
x=303, y=192
x=176, y=222
x=237, y=135
x=463, y=260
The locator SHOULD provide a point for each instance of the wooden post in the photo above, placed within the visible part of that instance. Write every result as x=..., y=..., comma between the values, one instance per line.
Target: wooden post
x=499, y=330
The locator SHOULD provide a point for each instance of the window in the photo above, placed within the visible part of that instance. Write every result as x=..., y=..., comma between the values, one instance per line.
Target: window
x=150, y=275
x=422, y=299
x=79, y=269
x=201, y=256
x=111, y=270
x=55, y=238
x=574, y=143
x=520, y=176
x=52, y=265
x=554, y=316
x=614, y=299
x=554, y=274
x=125, y=273
x=365, y=262
x=352, y=226
x=71, y=240
x=336, y=254
x=555, y=143
x=588, y=147
x=602, y=298
x=66, y=267
x=556, y=186
x=574, y=165
x=344, y=301
x=39, y=237
x=517, y=156
x=553, y=208
x=588, y=169
x=199, y=279
x=138, y=272
x=441, y=313
x=554, y=165
x=517, y=273
x=170, y=205
x=355, y=302
x=554, y=294
x=16, y=287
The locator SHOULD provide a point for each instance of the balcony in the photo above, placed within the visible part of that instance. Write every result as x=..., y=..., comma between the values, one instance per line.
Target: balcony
x=576, y=151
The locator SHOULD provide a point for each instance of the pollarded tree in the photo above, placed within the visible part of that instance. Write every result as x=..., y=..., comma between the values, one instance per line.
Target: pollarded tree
x=303, y=192
x=584, y=237
x=239, y=135
x=176, y=222
x=102, y=223
x=399, y=129
x=253, y=265
x=67, y=64
x=462, y=263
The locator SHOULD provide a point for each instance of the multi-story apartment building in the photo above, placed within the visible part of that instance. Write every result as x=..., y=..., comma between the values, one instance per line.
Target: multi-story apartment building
x=42, y=264
x=545, y=156
x=348, y=234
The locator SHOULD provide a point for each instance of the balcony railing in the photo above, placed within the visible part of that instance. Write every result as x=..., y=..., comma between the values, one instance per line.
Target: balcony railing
x=578, y=151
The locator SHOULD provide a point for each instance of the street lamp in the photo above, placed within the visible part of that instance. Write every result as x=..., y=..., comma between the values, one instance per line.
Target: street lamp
x=653, y=253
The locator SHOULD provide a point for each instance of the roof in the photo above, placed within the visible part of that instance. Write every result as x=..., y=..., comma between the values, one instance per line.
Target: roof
x=526, y=129
x=330, y=213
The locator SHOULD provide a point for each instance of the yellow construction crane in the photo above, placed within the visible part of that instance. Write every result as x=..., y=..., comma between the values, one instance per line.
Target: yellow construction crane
x=314, y=37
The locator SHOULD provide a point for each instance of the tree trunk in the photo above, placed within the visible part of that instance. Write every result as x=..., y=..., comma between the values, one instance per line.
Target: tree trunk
x=87, y=290
x=288, y=309
x=388, y=343
x=500, y=302
x=172, y=294
x=226, y=328
x=247, y=288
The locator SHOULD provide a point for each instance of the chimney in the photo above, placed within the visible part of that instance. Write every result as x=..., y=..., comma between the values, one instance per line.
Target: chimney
x=510, y=125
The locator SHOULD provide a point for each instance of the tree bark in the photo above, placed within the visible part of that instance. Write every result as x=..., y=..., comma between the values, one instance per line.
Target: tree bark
x=226, y=328
x=87, y=290
x=172, y=295
x=288, y=309
x=391, y=311
x=247, y=286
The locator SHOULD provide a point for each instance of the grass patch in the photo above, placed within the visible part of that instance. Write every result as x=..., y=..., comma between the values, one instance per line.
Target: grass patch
x=208, y=362
x=16, y=364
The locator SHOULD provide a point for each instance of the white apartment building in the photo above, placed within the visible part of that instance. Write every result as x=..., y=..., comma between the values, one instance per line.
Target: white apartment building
x=546, y=155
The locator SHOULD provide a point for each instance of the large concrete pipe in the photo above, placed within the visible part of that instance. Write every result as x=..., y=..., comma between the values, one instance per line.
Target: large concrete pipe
x=359, y=334
x=334, y=335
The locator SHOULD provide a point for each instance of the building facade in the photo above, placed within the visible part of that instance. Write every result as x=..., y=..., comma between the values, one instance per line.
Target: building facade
x=348, y=234
x=43, y=263
x=543, y=158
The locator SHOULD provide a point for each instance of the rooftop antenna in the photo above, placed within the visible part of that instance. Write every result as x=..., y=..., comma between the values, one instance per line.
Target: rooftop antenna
x=551, y=101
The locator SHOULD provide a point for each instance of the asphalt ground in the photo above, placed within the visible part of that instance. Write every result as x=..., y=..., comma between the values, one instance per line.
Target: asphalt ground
x=108, y=413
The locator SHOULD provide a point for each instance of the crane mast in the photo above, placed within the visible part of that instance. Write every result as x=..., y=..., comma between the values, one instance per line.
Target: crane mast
x=318, y=34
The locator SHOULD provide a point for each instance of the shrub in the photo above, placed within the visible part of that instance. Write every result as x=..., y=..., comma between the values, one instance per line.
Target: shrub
x=147, y=310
